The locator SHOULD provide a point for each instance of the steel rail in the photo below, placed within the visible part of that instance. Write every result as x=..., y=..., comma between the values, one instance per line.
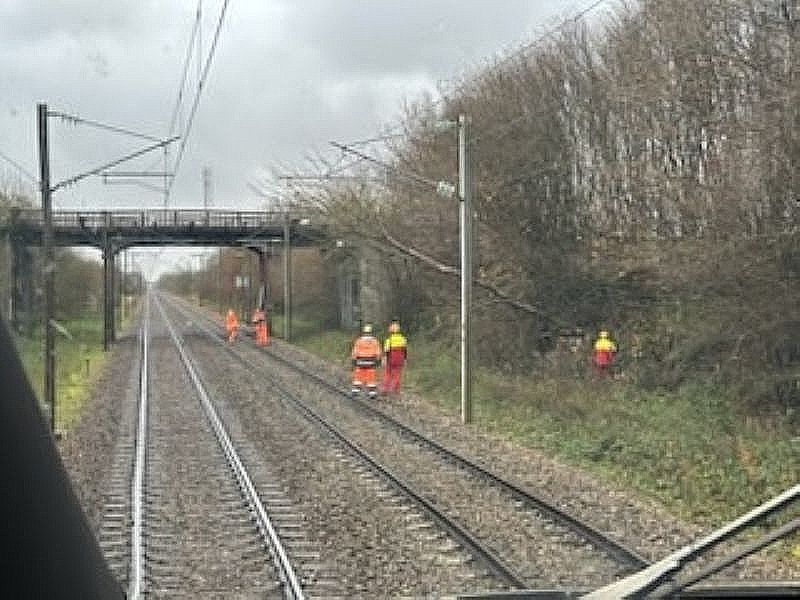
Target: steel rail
x=748, y=590
x=589, y=533
x=599, y=540
x=586, y=531
x=596, y=538
x=136, y=576
x=459, y=534
x=267, y=529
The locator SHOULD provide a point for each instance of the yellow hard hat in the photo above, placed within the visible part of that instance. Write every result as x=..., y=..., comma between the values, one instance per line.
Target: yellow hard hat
x=603, y=333
x=367, y=328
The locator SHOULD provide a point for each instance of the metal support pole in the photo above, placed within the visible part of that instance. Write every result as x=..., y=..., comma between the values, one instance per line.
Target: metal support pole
x=220, y=282
x=206, y=187
x=465, y=219
x=107, y=262
x=121, y=287
x=263, y=300
x=48, y=268
x=9, y=248
x=166, y=178
x=113, y=289
x=792, y=20
x=287, y=279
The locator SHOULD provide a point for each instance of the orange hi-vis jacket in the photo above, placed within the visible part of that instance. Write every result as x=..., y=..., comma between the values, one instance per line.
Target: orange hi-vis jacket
x=604, y=350
x=366, y=351
x=231, y=325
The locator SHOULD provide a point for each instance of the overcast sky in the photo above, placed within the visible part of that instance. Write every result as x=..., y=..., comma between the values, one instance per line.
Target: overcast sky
x=287, y=77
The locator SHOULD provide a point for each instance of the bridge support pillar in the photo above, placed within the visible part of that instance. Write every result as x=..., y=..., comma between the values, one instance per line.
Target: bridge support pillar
x=108, y=311
x=263, y=282
x=287, y=278
x=21, y=287
x=113, y=289
x=264, y=300
x=108, y=287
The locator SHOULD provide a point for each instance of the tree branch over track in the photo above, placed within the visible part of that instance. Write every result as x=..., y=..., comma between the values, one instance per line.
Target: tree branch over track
x=450, y=270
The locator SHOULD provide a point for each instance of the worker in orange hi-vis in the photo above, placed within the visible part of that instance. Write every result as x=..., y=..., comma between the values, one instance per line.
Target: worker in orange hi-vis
x=231, y=325
x=262, y=330
x=366, y=358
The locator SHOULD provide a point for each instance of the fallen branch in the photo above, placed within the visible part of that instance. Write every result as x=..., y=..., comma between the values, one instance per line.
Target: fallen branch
x=450, y=270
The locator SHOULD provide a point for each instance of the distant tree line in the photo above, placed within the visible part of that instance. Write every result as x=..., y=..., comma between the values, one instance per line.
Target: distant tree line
x=229, y=278
x=79, y=278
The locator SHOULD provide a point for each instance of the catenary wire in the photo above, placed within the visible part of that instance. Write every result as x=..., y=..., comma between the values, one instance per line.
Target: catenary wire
x=200, y=87
x=186, y=63
x=105, y=126
x=393, y=131
x=194, y=42
x=19, y=168
x=499, y=129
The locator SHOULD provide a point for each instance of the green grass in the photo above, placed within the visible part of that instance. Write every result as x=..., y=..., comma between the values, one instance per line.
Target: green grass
x=77, y=362
x=304, y=327
x=691, y=449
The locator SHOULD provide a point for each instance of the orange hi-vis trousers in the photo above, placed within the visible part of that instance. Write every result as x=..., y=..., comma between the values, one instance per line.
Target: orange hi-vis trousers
x=366, y=356
x=365, y=376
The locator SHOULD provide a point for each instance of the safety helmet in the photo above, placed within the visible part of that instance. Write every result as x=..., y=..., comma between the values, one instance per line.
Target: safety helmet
x=603, y=333
x=367, y=328
x=394, y=327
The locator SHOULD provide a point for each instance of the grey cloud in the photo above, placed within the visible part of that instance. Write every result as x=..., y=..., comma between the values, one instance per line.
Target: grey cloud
x=378, y=36
x=288, y=76
x=34, y=20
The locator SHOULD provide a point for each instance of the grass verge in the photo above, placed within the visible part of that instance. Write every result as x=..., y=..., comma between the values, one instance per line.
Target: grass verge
x=691, y=450
x=77, y=361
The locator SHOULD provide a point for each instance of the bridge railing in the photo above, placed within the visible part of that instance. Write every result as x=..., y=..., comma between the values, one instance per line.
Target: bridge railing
x=155, y=218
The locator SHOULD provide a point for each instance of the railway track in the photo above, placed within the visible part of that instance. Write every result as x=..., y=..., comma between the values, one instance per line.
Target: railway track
x=351, y=525
x=530, y=538
x=434, y=538
x=188, y=512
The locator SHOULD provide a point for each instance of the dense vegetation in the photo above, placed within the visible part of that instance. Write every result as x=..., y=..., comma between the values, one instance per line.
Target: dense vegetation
x=638, y=173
